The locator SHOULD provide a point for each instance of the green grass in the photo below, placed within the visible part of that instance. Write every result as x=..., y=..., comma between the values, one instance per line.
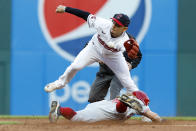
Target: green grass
x=181, y=118
x=17, y=117
x=9, y=122
x=23, y=117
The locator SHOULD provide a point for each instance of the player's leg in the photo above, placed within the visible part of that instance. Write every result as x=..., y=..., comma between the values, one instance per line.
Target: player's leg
x=115, y=88
x=86, y=57
x=91, y=113
x=56, y=111
x=119, y=66
x=97, y=111
x=100, y=86
x=67, y=112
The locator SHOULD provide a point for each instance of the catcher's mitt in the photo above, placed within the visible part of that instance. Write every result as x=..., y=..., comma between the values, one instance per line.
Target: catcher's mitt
x=132, y=48
x=131, y=102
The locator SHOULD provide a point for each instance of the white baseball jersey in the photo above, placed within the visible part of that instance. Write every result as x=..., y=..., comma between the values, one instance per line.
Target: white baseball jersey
x=104, y=110
x=102, y=39
x=99, y=50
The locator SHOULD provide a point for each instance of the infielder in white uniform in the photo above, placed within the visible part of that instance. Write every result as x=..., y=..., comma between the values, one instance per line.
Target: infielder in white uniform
x=106, y=45
x=121, y=108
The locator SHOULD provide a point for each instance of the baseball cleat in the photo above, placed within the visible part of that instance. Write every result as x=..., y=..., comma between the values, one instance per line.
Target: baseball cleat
x=53, y=86
x=54, y=111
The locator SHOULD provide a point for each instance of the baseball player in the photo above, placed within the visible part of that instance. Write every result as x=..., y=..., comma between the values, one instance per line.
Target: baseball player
x=121, y=108
x=106, y=79
x=106, y=45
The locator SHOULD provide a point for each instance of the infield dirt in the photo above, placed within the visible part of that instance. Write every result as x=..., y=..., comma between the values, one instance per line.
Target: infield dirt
x=42, y=124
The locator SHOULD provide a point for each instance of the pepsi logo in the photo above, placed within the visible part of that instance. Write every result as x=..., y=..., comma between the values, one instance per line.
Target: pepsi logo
x=67, y=34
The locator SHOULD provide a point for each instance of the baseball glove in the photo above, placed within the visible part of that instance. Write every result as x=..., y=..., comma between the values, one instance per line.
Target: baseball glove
x=131, y=102
x=132, y=48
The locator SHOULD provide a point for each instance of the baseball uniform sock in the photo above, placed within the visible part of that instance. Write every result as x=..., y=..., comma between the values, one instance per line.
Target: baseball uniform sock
x=67, y=112
x=121, y=107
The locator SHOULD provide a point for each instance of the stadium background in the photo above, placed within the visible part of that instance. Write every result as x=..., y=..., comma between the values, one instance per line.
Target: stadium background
x=27, y=62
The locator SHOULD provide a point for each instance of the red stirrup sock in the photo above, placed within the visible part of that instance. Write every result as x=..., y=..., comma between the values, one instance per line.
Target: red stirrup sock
x=67, y=112
x=121, y=107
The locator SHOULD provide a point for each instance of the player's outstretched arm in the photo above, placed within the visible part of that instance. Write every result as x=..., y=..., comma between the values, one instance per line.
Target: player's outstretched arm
x=77, y=12
x=153, y=116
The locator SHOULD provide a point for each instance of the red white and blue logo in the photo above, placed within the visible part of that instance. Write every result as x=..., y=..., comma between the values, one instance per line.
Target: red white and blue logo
x=68, y=34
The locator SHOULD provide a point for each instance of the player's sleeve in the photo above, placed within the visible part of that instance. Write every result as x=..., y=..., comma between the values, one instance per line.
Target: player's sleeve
x=77, y=12
x=97, y=22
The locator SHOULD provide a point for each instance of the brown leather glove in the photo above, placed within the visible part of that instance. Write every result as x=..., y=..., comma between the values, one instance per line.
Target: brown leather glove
x=132, y=48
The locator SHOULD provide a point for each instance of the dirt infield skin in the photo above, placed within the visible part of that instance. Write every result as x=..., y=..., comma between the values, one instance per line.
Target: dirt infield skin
x=42, y=124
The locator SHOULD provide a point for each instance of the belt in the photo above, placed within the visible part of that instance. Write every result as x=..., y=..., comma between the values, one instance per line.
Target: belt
x=105, y=45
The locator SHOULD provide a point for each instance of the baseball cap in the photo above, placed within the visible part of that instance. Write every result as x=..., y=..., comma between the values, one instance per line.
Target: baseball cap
x=121, y=19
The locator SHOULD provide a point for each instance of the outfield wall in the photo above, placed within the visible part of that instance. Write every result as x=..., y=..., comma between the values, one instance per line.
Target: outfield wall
x=186, y=59
x=5, y=29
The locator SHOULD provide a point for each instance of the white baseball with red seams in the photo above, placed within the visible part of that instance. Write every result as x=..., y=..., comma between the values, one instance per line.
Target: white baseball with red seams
x=104, y=110
x=98, y=50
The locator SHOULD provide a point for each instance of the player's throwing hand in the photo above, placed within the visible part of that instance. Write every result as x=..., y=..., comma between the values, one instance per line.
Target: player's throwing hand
x=60, y=9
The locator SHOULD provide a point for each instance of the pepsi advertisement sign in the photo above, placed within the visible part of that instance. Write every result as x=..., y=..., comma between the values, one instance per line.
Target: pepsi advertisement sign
x=43, y=50
x=64, y=32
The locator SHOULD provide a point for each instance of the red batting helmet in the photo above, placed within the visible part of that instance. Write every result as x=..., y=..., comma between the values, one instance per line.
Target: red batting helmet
x=141, y=96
